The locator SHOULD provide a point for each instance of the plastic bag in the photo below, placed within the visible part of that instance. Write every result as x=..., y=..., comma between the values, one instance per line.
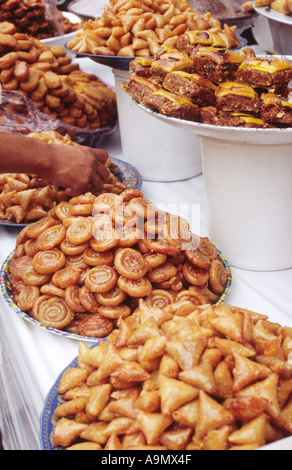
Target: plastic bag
x=40, y=19
x=19, y=115
x=53, y=15
x=219, y=9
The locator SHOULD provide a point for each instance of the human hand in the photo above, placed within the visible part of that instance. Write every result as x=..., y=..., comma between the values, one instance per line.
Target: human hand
x=78, y=169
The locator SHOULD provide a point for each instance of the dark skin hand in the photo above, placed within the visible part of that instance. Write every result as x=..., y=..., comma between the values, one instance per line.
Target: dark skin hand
x=78, y=169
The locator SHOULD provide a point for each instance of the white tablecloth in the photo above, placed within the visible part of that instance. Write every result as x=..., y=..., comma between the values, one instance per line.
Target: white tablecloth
x=31, y=359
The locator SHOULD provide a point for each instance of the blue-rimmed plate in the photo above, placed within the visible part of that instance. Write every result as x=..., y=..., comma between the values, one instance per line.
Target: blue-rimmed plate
x=126, y=173
x=47, y=419
x=123, y=171
x=6, y=290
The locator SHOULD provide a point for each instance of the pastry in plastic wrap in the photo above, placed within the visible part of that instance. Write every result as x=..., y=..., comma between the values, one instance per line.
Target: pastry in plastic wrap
x=56, y=85
x=40, y=19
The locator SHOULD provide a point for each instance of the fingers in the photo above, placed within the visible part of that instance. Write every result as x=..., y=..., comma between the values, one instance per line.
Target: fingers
x=102, y=171
x=96, y=173
x=100, y=155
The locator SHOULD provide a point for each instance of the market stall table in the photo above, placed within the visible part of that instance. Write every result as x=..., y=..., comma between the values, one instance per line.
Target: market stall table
x=31, y=358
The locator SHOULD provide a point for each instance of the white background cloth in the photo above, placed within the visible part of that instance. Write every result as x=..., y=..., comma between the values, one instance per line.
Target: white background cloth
x=32, y=359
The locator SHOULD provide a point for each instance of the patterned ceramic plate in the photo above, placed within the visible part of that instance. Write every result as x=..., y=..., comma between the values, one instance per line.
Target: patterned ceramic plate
x=47, y=420
x=6, y=291
x=7, y=295
x=123, y=171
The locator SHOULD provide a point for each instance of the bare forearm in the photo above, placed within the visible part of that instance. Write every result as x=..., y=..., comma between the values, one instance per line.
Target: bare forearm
x=24, y=155
x=78, y=168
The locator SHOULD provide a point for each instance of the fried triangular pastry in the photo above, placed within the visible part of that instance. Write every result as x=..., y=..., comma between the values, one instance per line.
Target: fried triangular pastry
x=186, y=354
x=201, y=377
x=187, y=414
x=152, y=424
x=174, y=394
x=246, y=372
x=146, y=330
x=268, y=389
x=211, y=415
x=24, y=198
x=253, y=432
x=230, y=325
x=110, y=362
x=67, y=431
x=125, y=406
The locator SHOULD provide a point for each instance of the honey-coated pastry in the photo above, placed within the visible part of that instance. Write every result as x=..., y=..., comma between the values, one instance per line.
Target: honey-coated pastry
x=88, y=300
x=93, y=258
x=112, y=298
x=80, y=231
x=159, y=298
x=135, y=287
x=194, y=275
x=28, y=297
x=66, y=277
x=114, y=312
x=130, y=264
x=101, y=278
x=49, y=261
x=95, y=325
x=54, y=312
x=218, y=277
x=31, y=277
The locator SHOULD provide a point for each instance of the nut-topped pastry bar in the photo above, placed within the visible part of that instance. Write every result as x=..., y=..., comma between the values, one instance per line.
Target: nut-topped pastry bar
x=228, y=88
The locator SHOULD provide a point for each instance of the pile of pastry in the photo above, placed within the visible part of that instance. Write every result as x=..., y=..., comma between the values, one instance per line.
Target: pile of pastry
x=281, y=6
x=202, y=81
x=140, y=28
x=26, y=198
x=84, y=266
x=35, y=18
x=56, y=85
x=215, y=378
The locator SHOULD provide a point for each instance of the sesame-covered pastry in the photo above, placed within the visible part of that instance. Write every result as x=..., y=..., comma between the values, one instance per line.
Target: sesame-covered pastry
x=189, y=41
x=265, y=72
x=160, y=100
x=141, y=67
x=276, y=109
x=170, y=61
x=211, y=115
x=192, y=86
x=217, y=64
x=233, y=96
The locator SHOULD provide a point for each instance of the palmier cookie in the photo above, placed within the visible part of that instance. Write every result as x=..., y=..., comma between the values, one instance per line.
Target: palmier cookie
x=48, y=262
x=101, y=278
x=130, y=263
x=55, y=313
